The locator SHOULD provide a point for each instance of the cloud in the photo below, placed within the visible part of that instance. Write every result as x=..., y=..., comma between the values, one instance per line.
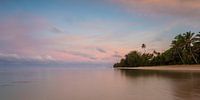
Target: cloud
x=8, y=56
x=57, y=30
x=80, y=54
x=101, y=50
x=28, y=35
x=181, y=8
x=21, y=31
x=116, y=55
x=18, y=59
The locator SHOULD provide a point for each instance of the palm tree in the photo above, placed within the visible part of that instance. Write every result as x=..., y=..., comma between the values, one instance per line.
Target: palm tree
x=196, y=47
x=197, y=38
x=144, y=47
x=189, y=40
x=177, y=45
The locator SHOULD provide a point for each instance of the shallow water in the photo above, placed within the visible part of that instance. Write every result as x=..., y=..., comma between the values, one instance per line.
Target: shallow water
x=60, y=83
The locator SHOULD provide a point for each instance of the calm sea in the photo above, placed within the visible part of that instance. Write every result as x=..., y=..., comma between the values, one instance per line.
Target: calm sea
x=96, y=83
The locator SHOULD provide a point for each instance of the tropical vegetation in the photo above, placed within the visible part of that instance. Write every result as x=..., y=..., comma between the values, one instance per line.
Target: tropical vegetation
x=184, y=49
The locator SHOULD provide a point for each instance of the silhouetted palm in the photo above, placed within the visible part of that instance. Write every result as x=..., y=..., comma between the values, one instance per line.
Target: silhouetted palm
x=144, y=47
x=177, y=46
x=196, y=47
x=189, y=41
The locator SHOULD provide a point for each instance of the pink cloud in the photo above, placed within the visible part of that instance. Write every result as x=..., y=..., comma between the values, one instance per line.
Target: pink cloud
x=18, y=33
x=183, y=8
x=21, y=35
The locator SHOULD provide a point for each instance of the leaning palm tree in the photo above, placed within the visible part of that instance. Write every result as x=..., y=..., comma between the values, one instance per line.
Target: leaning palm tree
x=196, y=47
x=177, y=46
x=189, y=40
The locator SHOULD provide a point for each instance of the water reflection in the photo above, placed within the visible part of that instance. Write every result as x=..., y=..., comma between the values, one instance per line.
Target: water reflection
x=97, y=84
x=178, y=86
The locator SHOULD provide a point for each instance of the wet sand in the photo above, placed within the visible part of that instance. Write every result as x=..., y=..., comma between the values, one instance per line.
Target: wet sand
x=166, y=68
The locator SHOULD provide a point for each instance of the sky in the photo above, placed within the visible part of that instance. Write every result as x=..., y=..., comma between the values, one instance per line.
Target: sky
x=90, y=31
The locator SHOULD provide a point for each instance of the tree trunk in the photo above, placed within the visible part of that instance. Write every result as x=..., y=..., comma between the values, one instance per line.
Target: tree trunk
x=180, y=56
x=193, y=56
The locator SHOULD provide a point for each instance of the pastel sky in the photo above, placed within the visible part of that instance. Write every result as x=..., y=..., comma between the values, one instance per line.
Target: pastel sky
x=94, y=31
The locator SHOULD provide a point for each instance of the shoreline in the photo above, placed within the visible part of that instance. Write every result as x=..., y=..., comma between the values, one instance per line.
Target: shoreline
x=195, y=68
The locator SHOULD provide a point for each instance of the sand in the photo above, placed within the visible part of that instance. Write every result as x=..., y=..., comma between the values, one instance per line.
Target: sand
x=166, y=68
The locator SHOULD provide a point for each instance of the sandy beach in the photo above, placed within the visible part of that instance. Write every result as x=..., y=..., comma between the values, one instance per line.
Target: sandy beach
x=166, y=68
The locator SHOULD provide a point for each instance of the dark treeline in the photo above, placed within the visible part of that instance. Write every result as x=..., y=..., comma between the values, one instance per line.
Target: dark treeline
x=185, y=49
